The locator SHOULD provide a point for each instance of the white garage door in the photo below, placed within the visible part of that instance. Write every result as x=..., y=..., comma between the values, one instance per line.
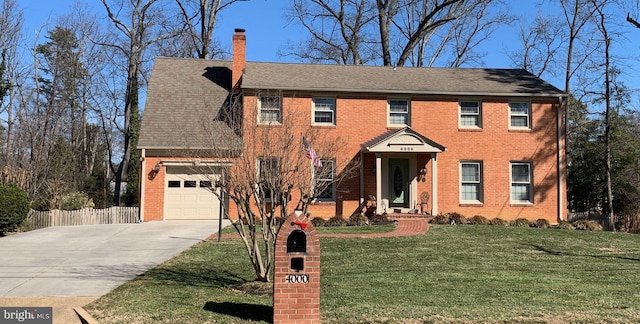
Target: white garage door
x=188, y=194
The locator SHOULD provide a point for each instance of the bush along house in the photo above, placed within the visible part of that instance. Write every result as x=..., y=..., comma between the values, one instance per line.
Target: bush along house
x=476, y=141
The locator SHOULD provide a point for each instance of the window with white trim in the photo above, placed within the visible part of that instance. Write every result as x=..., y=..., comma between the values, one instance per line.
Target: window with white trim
x=470, y=181
x=325, y=180
x=268, y=176
x=470, y=114
x=521, y=184
x=520, y=115
x=324, y=111
x=270, y=109
x=398, y=112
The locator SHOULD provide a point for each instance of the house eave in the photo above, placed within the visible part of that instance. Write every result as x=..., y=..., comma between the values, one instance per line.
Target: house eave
x=412, y=92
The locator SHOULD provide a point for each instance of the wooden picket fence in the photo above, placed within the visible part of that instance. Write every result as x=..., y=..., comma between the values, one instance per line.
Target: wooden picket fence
x=87, y=216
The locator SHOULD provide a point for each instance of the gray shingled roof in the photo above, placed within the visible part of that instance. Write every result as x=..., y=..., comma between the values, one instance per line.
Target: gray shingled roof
x=184, y=95
x=183, y=99
x=400, y=80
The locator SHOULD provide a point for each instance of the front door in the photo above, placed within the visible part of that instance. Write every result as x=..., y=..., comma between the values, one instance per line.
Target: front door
x=399, y=183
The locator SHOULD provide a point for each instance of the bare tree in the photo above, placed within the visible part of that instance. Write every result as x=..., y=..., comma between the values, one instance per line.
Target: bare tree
x=541, y=46
x=199, y=18
x=601, y=24
x=138, y=34
x=338, y=32
x=11, y=18
x=359, y=32
x=282, y=167
x=463, y=25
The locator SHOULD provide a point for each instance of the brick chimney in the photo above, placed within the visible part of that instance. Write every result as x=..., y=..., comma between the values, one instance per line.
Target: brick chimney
x=239, y=56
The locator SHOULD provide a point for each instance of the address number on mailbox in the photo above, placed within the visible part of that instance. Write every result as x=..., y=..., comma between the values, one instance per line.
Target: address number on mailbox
x=297, y=278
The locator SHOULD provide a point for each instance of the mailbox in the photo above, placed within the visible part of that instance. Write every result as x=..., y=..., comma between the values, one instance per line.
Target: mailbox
x=297, y=241
x=296, y=272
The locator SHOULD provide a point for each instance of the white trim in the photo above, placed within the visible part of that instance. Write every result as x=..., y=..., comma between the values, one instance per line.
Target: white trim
x=389, y=124
x=434, y=183
x=379, y=208
x=479, y=182
x=479, y=114
x=529, y=164
x=259, y=110
x=529, y=115
x=333, y=111
x=143, y=179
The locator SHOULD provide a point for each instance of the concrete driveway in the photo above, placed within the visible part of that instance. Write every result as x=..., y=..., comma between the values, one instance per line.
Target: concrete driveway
x=90, y=260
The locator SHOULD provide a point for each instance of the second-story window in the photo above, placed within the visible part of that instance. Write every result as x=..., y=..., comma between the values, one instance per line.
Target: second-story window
x=519, y=115
x=470, y=115
x=270, y=109
x=399, y=112
x=324, y=111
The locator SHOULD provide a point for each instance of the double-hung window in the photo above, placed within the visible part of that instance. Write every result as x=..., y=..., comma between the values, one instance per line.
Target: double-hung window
x=324, y=111
x=269, y=177
x=399, y=112
x=325, y=180
x=471, y=182
x=521, y=183
x=470, y=115
x=270, y=110
x=520, y=115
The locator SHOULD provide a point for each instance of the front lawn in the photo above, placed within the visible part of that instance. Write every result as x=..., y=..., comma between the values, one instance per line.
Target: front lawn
x=452, y=274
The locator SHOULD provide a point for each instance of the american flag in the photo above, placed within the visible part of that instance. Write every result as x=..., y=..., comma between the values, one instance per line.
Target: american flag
x=310, y=153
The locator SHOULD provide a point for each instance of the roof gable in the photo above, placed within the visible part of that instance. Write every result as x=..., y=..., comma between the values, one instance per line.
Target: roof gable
x=184, y=99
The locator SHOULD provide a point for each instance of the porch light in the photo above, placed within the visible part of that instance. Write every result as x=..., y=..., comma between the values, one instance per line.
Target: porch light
x=154, y=172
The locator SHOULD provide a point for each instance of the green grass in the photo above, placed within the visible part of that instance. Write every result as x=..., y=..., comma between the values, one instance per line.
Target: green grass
x=452, y=274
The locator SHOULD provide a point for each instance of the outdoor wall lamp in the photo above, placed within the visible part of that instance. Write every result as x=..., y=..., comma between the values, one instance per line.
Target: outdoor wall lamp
x=154, y=172
x=423, y=174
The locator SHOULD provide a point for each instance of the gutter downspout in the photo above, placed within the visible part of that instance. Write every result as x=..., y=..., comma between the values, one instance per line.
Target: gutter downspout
x=560, y=160
x=143, y=171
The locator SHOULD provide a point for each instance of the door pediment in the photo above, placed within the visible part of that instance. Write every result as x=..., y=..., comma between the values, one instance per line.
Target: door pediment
x=405, y=140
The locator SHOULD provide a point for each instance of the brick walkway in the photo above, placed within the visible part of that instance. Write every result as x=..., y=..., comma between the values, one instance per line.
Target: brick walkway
x=405, y=226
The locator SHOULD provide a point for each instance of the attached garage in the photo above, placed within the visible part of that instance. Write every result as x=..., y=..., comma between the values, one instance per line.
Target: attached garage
x=188, y=194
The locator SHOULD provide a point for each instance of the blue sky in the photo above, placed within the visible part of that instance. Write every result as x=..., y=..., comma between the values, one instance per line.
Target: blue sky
x=267, y=30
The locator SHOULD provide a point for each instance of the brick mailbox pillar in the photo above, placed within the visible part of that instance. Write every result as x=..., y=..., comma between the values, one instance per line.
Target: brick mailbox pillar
x=296, y=285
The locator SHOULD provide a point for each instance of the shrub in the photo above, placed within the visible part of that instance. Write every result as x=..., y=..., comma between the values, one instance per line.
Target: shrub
x=478, y=220
x=565, y=225
x=498, y=221
x=541, y=223
x=14, y=207
x=587, y=225
x=520, y=222
x=318, y=221
x=358, y=220
x=440, y=219
x=337, y=220
x=456, y=218
x=379, y=219
x=73, y=201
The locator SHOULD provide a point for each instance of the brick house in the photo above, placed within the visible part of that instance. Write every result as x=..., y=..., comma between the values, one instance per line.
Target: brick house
x=475, y=141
